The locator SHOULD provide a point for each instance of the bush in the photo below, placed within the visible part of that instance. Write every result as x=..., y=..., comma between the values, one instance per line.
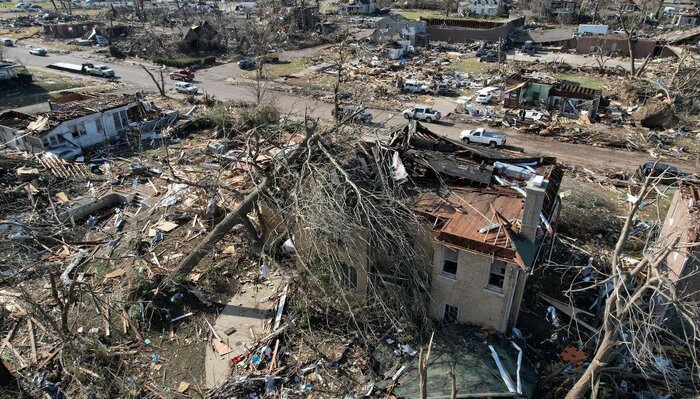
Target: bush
x=185, y=62
x=265, y=114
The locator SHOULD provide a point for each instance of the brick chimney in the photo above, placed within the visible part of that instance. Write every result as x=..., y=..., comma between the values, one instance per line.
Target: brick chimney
x=534, y=200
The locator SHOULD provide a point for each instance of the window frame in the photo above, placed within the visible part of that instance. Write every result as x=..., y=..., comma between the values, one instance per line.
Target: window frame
x=445, y=313
x=445, y=259
x=492, y=265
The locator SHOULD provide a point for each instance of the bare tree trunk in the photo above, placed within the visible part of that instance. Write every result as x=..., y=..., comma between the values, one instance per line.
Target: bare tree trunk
x=423, y=369
x=629, y=48
x=235, y=217
x=161, y=85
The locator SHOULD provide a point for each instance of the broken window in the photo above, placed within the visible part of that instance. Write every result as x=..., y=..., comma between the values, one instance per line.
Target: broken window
x=449, y=262
x=117, y=121
x=348, y=277
x=497, y=275
x=451, y=314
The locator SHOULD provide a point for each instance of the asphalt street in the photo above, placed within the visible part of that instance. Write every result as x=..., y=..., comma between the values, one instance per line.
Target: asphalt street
x=216, y=81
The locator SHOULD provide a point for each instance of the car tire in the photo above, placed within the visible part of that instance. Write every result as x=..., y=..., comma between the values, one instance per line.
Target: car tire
x=492, y=144
x=465, y=140
x=429, y=119
x=406, y=116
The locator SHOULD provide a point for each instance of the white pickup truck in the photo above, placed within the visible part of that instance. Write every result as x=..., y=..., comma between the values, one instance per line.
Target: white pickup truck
x=481, y=136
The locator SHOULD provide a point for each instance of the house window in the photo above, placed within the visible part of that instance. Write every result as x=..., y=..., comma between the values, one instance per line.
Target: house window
x=61, y=139
x=497, y=276
x=449, y=262
x=348, y=277
x=117, y=120
x=450, y=314
x=54, y=140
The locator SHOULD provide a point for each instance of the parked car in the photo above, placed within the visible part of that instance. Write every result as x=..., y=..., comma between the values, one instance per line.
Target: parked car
x=348, y=110
x=23, y=6
x=7, y=42
x=492, y=56
x=186, y=87
x=100, y=70
x=414, y=86
x=246, y=64
x=443, y=89
x=481, y=136
x=34, y=7
x=38, y=51
x=483, y=98
x=530, y=114
x=182, y=74
x=422, y=113
x=667, y=174
x=618, y=32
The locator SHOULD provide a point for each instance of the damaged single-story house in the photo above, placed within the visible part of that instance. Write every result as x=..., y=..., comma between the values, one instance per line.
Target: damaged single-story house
x=201, y=36
x=459, y=30
x=569, y=98
x=70, y=30
x=79, y=124
x=355, y=7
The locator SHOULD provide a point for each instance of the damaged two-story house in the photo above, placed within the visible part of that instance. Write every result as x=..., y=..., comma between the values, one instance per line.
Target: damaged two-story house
x=488, y=222
x=484, y=215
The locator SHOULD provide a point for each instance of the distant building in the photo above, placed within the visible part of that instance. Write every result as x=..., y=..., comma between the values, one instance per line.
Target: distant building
x=70, y=30
x=479, y=7
x=355, y=7
x=398, y=27
x=201, y=36
x=459, y=30
x=556, y=10
x=688, y=18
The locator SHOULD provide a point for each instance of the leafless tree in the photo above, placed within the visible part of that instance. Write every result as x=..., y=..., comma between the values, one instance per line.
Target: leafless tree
x=634, y=334
x=160, y=84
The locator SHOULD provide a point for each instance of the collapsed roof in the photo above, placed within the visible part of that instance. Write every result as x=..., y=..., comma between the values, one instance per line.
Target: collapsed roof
x=478, y=201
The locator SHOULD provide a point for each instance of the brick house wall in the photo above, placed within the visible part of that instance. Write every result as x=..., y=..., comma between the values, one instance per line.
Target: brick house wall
x=468, y=291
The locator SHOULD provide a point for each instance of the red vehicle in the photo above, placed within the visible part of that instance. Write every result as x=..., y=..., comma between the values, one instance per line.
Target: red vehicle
x=182, y=74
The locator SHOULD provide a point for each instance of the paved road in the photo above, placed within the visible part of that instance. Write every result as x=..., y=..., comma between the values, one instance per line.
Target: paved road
x=214, y=82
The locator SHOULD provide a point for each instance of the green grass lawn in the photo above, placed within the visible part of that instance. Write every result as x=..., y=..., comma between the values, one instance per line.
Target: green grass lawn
x=473, y=67
x=593, y=82
x=274, y=71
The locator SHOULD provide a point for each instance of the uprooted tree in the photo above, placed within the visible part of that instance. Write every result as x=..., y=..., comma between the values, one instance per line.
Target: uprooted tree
x=635, y=338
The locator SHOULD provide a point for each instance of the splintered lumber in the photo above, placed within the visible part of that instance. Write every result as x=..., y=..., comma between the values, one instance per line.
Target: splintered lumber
x=234, y=218
x=570, y=311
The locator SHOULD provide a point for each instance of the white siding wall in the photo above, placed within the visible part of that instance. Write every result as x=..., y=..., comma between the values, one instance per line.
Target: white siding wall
x=89, y=124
